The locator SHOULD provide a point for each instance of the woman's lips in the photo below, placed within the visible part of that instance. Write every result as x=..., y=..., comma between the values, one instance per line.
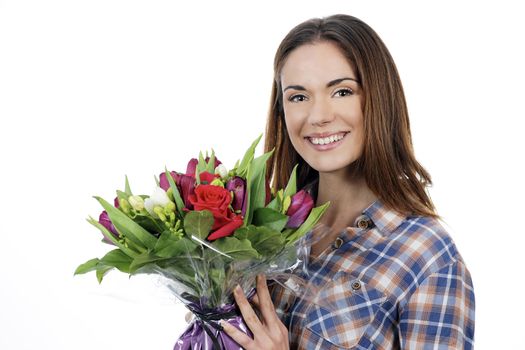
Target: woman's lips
x=328, y=142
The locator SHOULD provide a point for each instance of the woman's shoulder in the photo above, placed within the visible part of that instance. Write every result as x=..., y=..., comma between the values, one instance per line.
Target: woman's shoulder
x=421, y=244
x=427, y=245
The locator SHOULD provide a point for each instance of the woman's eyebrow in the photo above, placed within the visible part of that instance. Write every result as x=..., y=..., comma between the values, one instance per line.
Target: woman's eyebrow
x=337, y=81
x=330, y=84
x=295, y=87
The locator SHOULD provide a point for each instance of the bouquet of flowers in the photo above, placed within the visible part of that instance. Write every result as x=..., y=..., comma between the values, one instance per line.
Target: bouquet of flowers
x=205, y=231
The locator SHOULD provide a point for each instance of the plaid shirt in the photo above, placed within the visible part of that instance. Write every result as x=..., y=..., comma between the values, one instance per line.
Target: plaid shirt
x=392, y=282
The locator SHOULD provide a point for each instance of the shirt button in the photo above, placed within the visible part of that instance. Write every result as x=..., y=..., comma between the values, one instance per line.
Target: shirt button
x=363, y=222
x=356, y=285
x=338, y=242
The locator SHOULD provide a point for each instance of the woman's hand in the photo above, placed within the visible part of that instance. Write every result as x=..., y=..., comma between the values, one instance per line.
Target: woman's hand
x=268, y=332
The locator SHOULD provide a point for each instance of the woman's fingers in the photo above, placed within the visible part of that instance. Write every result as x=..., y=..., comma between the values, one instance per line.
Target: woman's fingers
x=247, y=311
x=242, y=339
x=268, y=334
x=266, y=306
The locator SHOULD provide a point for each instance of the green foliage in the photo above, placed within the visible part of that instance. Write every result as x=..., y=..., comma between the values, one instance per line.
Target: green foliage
x=170, y=245
x=291, y=186
x=242, y=169
x=238, y=249
x=198, y=223
x=270, y=218
x=256, y=185
x=264, y=240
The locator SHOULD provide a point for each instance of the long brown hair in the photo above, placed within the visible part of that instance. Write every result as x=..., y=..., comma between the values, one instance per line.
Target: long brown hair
x=388, y=163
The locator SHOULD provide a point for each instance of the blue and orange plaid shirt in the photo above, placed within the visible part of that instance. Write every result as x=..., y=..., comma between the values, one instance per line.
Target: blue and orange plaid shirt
x=391, y=282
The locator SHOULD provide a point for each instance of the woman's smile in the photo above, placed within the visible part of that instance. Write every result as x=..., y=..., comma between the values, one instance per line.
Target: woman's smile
x=326, y=143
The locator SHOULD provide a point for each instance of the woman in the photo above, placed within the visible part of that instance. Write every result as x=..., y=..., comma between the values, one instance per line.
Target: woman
x=389, y=277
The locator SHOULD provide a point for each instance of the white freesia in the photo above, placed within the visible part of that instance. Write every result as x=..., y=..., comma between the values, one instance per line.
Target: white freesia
x=158, y=198
x=222, y=171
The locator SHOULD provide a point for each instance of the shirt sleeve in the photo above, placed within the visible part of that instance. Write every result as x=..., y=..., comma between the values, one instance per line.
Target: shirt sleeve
x=440, y=313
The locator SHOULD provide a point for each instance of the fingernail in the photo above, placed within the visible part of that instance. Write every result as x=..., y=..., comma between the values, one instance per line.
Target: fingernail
x=237, y=289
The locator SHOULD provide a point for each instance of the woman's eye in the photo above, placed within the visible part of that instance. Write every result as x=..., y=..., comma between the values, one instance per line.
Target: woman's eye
x=344, y=92
x=297, y=98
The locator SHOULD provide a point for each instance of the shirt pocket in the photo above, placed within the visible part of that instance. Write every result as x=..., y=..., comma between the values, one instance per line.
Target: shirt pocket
x=343, y=310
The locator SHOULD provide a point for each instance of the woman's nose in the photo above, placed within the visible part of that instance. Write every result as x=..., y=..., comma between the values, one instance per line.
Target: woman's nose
x=320, y=113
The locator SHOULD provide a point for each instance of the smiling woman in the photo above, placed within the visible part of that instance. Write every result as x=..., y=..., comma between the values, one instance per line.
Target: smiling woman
x=388, y=274
x=322, y=106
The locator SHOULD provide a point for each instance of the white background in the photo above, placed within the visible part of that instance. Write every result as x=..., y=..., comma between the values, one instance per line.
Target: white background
x=93, y=90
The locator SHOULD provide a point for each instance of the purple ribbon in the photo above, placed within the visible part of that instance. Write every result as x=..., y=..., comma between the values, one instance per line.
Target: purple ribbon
x=205, y=333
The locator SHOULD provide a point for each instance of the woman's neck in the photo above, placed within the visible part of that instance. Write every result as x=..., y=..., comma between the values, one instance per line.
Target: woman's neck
x=348, y=195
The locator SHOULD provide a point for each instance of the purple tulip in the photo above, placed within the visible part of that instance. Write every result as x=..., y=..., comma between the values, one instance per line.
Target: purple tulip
x=302, y=204
x=192, y=166
x=163, y=180
x=185, y=185
x=106, y=222
x=238, y=186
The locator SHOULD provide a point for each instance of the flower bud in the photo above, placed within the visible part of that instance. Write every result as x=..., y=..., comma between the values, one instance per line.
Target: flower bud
x=136, y=202
x=221, y=171
x=124, y=205
x=170, y=207
x=217, y=182
x=237, y=186
x=159, y=211
x=105, y=221
x=300, y=207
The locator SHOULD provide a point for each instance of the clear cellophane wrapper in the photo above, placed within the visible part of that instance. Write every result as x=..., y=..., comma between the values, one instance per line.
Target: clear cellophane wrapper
x=205, y=283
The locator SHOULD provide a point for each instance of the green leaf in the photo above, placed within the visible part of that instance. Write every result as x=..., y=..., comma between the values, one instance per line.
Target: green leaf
x=102, y=271
x=256, y=185
x=117, y=258
x=179, y=203
x=242, y=232
x=128, y=228
x=291, y=186
x=276, y=203
x=270, y=218
x=169, y=245
x=127, y=189
x=307, y=225
x=235, y=248
x=264, y=240
x=198, y=223
x=210, y=166
x=129, y=251
x=242, y=169
x=86, y=267
x=201, y=166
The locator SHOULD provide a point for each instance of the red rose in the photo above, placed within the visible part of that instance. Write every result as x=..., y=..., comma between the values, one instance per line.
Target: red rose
x=216, y=199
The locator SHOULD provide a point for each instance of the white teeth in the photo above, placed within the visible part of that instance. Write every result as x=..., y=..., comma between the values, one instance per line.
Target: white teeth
x=326, y=140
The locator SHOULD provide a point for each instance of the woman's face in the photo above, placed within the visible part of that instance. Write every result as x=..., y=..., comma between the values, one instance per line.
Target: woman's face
x=322, y=106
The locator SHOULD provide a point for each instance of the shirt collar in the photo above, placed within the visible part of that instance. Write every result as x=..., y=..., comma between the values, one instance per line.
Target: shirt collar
x=385, y=219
